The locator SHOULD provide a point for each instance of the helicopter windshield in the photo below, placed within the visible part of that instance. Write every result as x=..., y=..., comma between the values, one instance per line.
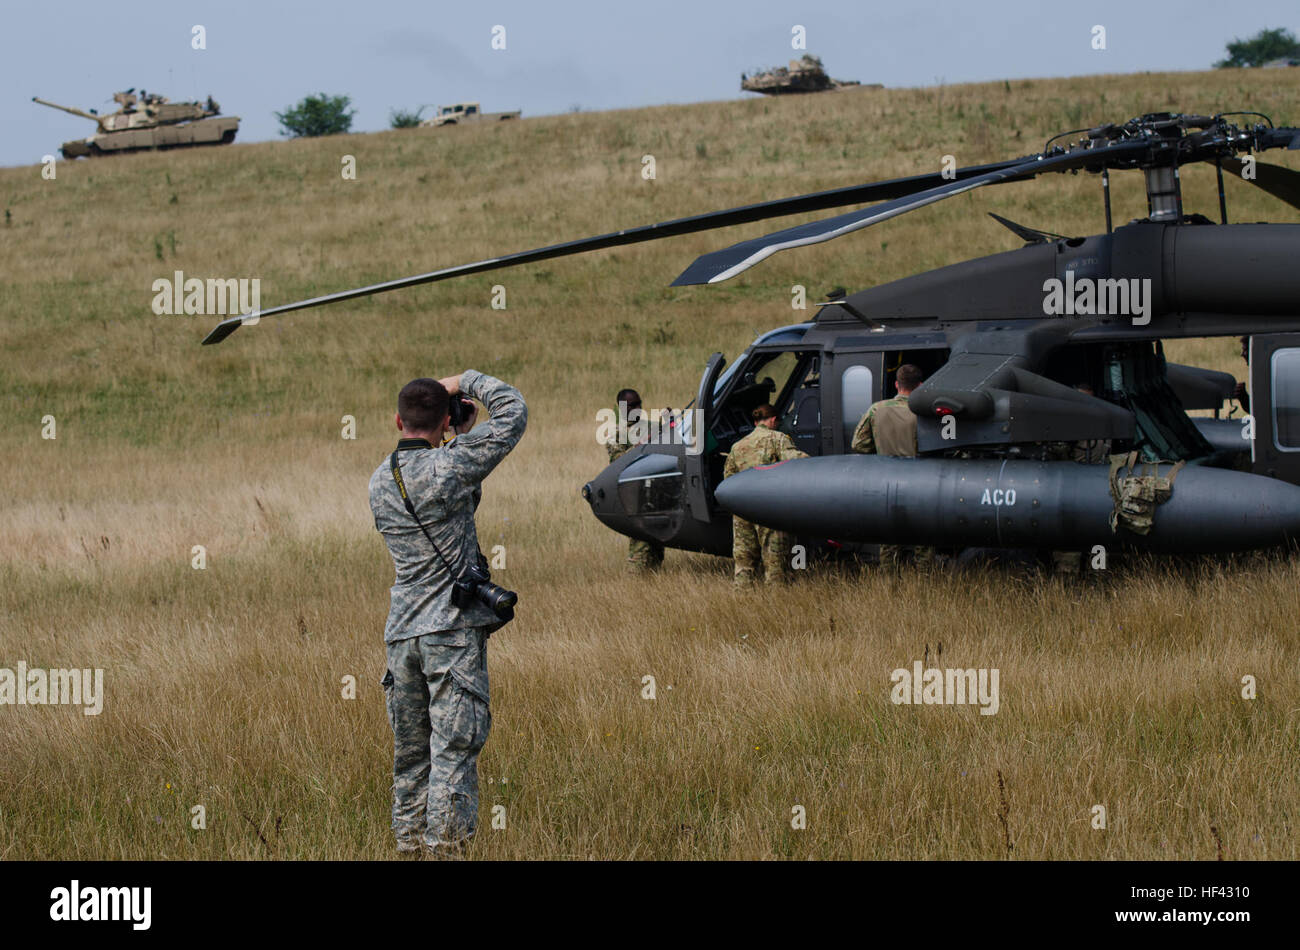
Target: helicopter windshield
x=787, y=334
x=769, y=377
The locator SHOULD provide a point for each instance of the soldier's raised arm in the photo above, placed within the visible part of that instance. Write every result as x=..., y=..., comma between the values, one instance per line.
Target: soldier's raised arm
x=483, y=447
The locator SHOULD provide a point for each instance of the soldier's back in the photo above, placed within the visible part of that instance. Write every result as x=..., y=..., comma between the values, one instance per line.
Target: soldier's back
x=893, y=425
x=763, y=446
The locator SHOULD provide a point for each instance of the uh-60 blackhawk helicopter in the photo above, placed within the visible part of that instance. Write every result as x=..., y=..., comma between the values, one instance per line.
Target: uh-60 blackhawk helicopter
x=1006, y=343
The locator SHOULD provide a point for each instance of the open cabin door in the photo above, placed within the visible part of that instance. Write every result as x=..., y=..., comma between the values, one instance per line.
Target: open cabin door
x=701, y=444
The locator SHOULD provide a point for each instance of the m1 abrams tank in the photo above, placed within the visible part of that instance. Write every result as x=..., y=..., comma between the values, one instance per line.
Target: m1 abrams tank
x=802, y=75
x=148, y=121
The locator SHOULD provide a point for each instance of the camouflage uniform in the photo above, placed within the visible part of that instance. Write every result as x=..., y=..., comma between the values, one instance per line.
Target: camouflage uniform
x=889, y=428
x=436, y=685
x=752, y=542
x=641, y=555
x=1089, y=452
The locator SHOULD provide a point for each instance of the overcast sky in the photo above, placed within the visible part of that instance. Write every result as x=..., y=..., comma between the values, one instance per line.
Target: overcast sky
x=263, y=56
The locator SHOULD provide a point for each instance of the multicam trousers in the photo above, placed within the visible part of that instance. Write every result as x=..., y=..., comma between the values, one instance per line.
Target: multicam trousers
x=752, y=543
x=436, y=689
x=644, y=555
x=895, y=555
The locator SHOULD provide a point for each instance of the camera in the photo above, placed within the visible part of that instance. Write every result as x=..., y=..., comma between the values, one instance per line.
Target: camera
x=459, y=409
x=475, y=584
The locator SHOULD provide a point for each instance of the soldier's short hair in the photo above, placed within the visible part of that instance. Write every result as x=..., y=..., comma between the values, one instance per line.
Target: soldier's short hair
x=629, y=397
x=762, y=412
x=909, y=376
x=422, y=404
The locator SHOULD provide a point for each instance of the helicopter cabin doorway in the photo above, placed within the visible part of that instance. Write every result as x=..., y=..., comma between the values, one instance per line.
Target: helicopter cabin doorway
x=1275, y=405
x=868, y=377
x=790, y=381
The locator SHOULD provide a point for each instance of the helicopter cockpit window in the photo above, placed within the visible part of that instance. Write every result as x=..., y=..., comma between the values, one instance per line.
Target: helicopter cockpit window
x=801, y=416
x=766, y=377
x=651, y=484
x=1285, y=372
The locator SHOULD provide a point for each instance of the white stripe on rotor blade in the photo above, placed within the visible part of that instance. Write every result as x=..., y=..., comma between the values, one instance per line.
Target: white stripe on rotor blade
x=765, y=252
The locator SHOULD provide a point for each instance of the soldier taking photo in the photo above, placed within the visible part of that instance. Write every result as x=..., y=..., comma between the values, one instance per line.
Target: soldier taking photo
x=443, y=605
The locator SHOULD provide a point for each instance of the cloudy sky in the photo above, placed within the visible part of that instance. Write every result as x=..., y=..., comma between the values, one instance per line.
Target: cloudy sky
x=386, y=54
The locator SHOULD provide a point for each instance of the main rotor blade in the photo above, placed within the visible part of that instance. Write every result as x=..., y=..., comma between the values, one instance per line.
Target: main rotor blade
x=817, y=201
x=728, y=262
x=1279, y=182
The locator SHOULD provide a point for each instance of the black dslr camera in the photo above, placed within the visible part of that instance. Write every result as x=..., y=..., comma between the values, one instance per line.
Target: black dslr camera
x=475, y=584
x=459, y=409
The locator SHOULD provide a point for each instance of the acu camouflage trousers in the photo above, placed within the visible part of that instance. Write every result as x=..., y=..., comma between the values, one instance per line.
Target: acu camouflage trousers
x=436, y=689
x=752, y=544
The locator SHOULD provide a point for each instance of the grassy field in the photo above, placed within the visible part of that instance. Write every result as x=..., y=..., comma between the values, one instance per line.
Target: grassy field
x=225, y=685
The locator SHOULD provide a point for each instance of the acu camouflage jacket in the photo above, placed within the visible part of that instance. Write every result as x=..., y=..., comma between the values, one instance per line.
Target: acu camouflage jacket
x=444, y=485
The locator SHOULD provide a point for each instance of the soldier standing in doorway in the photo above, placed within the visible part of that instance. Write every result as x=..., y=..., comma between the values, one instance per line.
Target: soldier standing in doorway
x=889, y=428
x=752, y=543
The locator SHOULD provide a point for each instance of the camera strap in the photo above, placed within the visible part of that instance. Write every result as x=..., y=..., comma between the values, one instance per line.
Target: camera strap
x=406, y=500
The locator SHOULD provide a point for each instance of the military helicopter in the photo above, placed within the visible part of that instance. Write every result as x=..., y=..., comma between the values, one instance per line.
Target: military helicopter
x=1055, y=343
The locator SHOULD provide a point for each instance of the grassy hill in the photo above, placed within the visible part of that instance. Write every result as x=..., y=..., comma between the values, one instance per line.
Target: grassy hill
x=224, y=685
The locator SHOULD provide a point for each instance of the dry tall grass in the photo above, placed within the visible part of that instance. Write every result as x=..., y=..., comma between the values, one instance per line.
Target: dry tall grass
x=224, y=685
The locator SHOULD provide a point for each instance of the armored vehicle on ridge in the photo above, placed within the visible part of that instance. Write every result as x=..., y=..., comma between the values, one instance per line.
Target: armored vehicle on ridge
x=148, y=121
x=805, y=74
x=462, y=112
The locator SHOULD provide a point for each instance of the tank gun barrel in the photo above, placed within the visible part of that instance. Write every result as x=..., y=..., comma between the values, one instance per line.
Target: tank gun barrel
x=54, y=105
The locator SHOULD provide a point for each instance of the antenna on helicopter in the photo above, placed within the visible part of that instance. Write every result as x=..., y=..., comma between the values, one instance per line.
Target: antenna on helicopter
x=838, y=297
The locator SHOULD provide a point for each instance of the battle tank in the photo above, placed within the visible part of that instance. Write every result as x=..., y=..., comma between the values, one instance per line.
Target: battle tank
x=148, y=121
x=802, y=75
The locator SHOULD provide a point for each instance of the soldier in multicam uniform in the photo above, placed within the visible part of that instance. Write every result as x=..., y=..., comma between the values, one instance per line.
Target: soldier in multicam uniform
x=889, y=428
x=436, y=685
x=1086, y=452
x=751, y=543
x=642, y=556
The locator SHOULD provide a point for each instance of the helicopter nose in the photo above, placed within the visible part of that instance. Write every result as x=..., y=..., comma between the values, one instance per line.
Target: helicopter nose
x=601, y=493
